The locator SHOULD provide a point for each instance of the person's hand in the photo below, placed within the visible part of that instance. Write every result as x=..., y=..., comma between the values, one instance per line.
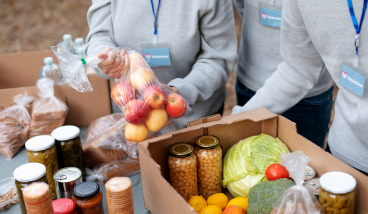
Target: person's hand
x=115, y=64
x=173, y=89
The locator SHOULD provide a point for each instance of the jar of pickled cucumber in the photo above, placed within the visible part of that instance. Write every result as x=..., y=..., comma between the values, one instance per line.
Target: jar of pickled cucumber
x=41, y=149
x=183, y=170
x=209, y=167
x=25, y=175
x=337, y=193
x=69, y=148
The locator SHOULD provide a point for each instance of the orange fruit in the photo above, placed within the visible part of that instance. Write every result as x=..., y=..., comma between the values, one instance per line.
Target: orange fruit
x=197, y=202
x=219, y=199
x=211, y=209
x=239, y=201
x=234, y=209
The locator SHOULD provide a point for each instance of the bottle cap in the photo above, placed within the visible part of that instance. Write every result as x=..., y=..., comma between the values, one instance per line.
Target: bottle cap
x=86, y=190
x=29, y=172
x=40, y=143
x=207, y=142
x=67, y=37
x=65, y=133
x=338, y=182
x=79, y=41
x=181, y=150
x=48, y=60
x=63, y=206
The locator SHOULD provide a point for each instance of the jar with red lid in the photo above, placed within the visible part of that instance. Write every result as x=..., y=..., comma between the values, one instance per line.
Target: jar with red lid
x=64, y=206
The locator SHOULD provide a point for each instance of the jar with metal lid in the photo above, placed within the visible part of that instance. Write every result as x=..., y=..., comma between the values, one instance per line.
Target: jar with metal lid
x=41, y=149
x=337, y=193
x=209, y=158
x=65, y=180
x=88, y=198
x=25, y=175
x=64, y=206
x=69, y=148
x=183, y=170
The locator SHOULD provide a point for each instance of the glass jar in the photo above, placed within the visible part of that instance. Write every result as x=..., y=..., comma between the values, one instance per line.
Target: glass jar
x=69, y=148
x=183, y=170
x=88, y=198
x=64, y=206
x=25, y=175
x=337, y=193
x=41, y=149
x=209, y=158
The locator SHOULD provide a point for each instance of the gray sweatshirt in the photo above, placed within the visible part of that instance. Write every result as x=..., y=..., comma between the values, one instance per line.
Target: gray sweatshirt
x=202, y=36
x=315, y=34
x=259, y=50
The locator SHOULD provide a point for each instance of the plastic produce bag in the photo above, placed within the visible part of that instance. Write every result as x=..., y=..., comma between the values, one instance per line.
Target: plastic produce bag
x=101, y=124
x=48, y=112
x=14, y=125
x=297, y=199
x=122, y=168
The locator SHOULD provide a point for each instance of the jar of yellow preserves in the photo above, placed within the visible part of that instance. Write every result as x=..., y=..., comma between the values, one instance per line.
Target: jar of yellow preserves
x=183, y=170
x=337, y=193
x=209, y=158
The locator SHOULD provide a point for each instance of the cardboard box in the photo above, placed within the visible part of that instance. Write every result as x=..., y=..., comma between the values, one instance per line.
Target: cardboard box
x=19, y=72
x=161, y=197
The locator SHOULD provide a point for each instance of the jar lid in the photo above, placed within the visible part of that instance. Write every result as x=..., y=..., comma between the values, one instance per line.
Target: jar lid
x=40, y=143
x=65, y=133
x=338, y=182
x=63, y=206
x=207, y=142
x=67, y=174
x=181, y=150
x=29, y=172
x=86, y=190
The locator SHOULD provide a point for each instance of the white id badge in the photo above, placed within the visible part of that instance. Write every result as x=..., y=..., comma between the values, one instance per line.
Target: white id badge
x=353, y=78
x=158, y=54
x=270, y=14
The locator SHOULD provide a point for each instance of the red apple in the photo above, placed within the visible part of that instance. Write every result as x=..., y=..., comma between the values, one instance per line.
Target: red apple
x=175, y=105
x=122, y=93
x=136, y=133
x=154, y=96
x=157, y=119
x=142, y=78
x=136, y=112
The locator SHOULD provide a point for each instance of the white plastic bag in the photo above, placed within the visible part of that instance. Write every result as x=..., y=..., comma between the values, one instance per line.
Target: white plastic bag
x=297, y=199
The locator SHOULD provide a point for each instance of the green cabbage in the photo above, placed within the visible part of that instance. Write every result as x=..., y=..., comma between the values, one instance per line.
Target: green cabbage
x=245, y=163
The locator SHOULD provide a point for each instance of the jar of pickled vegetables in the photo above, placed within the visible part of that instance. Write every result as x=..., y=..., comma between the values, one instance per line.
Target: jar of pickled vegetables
x=209, y=158
x=183, y=170
x=25, y=175
x=69, y=148
x=337, y=193
x=88, y=198
x=41, y=149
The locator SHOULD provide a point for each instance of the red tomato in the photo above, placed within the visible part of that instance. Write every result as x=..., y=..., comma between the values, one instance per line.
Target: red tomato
x=276, y=171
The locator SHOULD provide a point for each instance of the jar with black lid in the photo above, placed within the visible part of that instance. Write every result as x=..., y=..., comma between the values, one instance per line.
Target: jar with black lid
x=88, y=198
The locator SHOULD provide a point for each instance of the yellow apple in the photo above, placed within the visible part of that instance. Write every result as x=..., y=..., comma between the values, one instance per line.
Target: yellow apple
x=157, y=119
x=136, y=133
x=142, y=78
x=136, y=61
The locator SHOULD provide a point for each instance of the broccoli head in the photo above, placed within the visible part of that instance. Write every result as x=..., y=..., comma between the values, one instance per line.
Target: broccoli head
x=264, y=196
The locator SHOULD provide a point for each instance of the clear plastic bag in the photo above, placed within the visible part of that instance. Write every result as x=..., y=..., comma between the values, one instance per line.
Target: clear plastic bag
x=101, y=124
x=121, y=168
x=297, y=199
x=48, y=112
x=14, y=125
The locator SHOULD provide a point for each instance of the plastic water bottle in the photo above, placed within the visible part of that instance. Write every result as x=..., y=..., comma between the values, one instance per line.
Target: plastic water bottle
x=67, y=42
x=51, y=71
x=79, y=47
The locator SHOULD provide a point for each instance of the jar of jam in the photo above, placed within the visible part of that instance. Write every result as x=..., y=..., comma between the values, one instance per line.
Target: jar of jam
x=209, y=158
x=337, y=193
x=64, y=206
x=41, y=149
x=69, y=148
x=88, y=198
x=25, y=175
x=183, y=170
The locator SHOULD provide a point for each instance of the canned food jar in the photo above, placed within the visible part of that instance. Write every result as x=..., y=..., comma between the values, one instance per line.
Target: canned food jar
x=183, y=170
x=25, y=175
x=64, y=206
x=209, y=158
x=337, y=193
x=41, y=149
x=65, y=180
x=69, y=148
x=309, y=173
x=314, y=185
x=88, y=198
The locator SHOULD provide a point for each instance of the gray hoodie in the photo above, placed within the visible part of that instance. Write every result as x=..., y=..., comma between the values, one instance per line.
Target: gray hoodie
x=202, y=36
x=315, y=34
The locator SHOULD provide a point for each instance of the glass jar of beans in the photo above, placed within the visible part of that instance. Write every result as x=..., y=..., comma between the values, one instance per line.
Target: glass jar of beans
x=183, y=170
x=209, y=158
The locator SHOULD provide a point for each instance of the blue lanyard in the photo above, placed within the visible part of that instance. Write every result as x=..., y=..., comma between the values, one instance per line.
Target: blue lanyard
x=155, y=15
x=355, y=23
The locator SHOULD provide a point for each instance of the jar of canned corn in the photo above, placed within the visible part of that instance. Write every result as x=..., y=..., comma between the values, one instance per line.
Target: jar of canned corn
x=209, y=158
x=183, y=170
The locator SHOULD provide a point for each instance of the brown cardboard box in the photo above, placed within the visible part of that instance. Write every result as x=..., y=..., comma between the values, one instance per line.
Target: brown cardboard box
x=19, y=72
x=160, y=197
